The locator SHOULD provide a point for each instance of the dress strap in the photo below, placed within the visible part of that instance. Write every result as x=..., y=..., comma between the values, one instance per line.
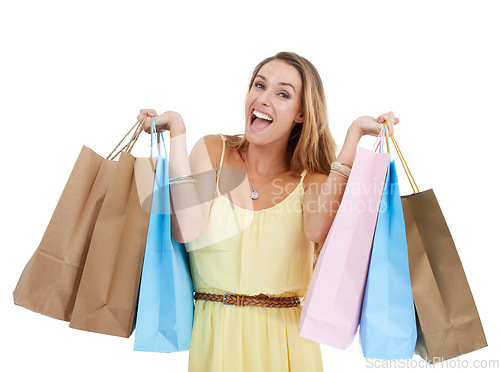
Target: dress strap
x=218, y=178
x=303, y=175
x=222, y=157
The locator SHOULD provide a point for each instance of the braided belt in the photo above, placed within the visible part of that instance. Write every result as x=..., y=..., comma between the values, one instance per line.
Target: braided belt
x=240, y=300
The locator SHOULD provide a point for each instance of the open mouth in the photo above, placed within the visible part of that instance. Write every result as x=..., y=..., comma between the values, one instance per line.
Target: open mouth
x=260, y=120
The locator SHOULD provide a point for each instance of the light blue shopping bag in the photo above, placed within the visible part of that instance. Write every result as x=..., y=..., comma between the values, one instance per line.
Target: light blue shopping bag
x=166, y=303
x=388, y=326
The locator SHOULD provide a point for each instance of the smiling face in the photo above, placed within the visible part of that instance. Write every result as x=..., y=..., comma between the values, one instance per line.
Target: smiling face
x=274, y=103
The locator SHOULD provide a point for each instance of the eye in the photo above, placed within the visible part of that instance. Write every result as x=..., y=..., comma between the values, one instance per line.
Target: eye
x=259, y=85
x=284, y=95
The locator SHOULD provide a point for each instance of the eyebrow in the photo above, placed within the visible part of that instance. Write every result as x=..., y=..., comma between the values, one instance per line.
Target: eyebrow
x=281, y=83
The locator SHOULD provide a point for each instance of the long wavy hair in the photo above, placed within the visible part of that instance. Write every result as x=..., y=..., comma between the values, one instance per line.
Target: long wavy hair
x=310, y=145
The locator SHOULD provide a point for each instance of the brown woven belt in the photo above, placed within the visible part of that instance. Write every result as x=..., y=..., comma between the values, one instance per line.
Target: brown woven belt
x=239, y=300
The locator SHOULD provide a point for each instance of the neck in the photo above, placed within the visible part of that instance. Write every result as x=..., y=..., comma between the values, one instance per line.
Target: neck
x=263, y=161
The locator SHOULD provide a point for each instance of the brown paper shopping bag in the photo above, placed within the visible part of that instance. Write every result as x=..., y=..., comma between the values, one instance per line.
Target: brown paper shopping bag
x=107, y=297
x=50, y=279
x=144, y=169
x=448, y=321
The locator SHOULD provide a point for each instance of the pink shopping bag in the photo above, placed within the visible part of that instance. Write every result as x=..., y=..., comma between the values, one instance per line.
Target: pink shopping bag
x=332, y=305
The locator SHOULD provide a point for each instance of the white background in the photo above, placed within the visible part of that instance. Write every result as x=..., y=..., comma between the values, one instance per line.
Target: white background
x=75, y=73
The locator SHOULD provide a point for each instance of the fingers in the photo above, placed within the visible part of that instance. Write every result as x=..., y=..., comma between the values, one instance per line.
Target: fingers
x=146, y=125
x=389, y=117
x=146, y=112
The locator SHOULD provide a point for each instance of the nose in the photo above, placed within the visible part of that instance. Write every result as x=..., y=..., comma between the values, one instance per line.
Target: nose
x=264, y=98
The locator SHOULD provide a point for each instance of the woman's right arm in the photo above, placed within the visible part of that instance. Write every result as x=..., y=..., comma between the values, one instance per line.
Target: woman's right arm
x=190, y=201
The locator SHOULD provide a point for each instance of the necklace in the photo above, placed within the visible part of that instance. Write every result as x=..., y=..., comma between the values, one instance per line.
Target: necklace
x=254, y=195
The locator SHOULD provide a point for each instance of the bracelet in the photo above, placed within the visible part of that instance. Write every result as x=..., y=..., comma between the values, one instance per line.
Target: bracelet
x=338, y=173
x=181, y=181
x=337, y=163
x=184, y=176
x=338, y=167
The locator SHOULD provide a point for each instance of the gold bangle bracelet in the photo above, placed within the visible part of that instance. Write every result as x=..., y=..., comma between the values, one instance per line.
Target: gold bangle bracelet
x=181, y=181
x=339, y=173
x=181, y=177
x=340, y=168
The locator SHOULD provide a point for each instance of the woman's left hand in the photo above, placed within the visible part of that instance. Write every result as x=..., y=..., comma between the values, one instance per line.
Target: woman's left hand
x=372, y=126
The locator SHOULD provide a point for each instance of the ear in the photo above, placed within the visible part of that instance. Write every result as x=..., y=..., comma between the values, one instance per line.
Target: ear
x=299, y=118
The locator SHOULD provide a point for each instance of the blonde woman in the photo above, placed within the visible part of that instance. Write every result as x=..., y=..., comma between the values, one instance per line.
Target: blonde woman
x=253, y=244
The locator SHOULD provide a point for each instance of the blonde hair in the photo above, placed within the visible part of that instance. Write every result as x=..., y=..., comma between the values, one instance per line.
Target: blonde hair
x=310, y=145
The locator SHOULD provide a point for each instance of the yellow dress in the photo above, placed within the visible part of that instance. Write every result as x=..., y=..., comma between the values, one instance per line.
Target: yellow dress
x=251, y=252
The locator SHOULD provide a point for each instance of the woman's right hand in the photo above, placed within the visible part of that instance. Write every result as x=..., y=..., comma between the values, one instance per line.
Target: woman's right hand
x=166, y=121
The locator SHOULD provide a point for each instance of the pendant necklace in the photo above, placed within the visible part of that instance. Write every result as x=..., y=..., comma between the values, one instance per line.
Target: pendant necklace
x=254, y=194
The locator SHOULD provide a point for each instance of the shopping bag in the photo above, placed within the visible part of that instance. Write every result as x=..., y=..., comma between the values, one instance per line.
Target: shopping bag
x=50, y=280
x=107, y=296
x=332, y=305
x=144, y=170
x=448, y=320
x=387, y=328
x=166, y=303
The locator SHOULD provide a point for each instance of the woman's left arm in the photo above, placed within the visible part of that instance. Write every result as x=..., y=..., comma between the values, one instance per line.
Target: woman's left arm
x=324, y=193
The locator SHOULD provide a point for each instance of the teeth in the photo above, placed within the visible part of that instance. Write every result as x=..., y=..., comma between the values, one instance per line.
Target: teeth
x=262, y=115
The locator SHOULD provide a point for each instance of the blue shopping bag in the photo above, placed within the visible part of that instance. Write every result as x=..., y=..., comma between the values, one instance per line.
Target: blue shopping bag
x=388, y=326
x=166, y=304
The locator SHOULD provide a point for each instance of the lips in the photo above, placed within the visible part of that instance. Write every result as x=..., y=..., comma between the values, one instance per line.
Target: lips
x=261, y=115
x=260, y=120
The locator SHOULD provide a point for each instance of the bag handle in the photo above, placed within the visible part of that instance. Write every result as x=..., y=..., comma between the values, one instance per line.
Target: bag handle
x=413, y=184
x=377, y=147
x=160, y=143
x=138, y=126
x=154, y=136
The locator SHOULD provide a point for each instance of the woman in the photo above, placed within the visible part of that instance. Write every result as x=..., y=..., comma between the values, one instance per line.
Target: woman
x=252, y=253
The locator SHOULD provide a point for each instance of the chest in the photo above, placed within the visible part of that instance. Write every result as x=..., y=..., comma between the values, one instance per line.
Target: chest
x=237, y=186
x=268, y=195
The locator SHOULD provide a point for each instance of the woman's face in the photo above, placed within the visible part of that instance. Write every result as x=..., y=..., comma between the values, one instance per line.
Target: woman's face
x=274, y=103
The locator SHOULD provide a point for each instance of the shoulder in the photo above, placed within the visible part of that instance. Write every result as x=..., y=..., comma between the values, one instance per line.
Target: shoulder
x=212, y=145
x=211, y=140
x=313, y=181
